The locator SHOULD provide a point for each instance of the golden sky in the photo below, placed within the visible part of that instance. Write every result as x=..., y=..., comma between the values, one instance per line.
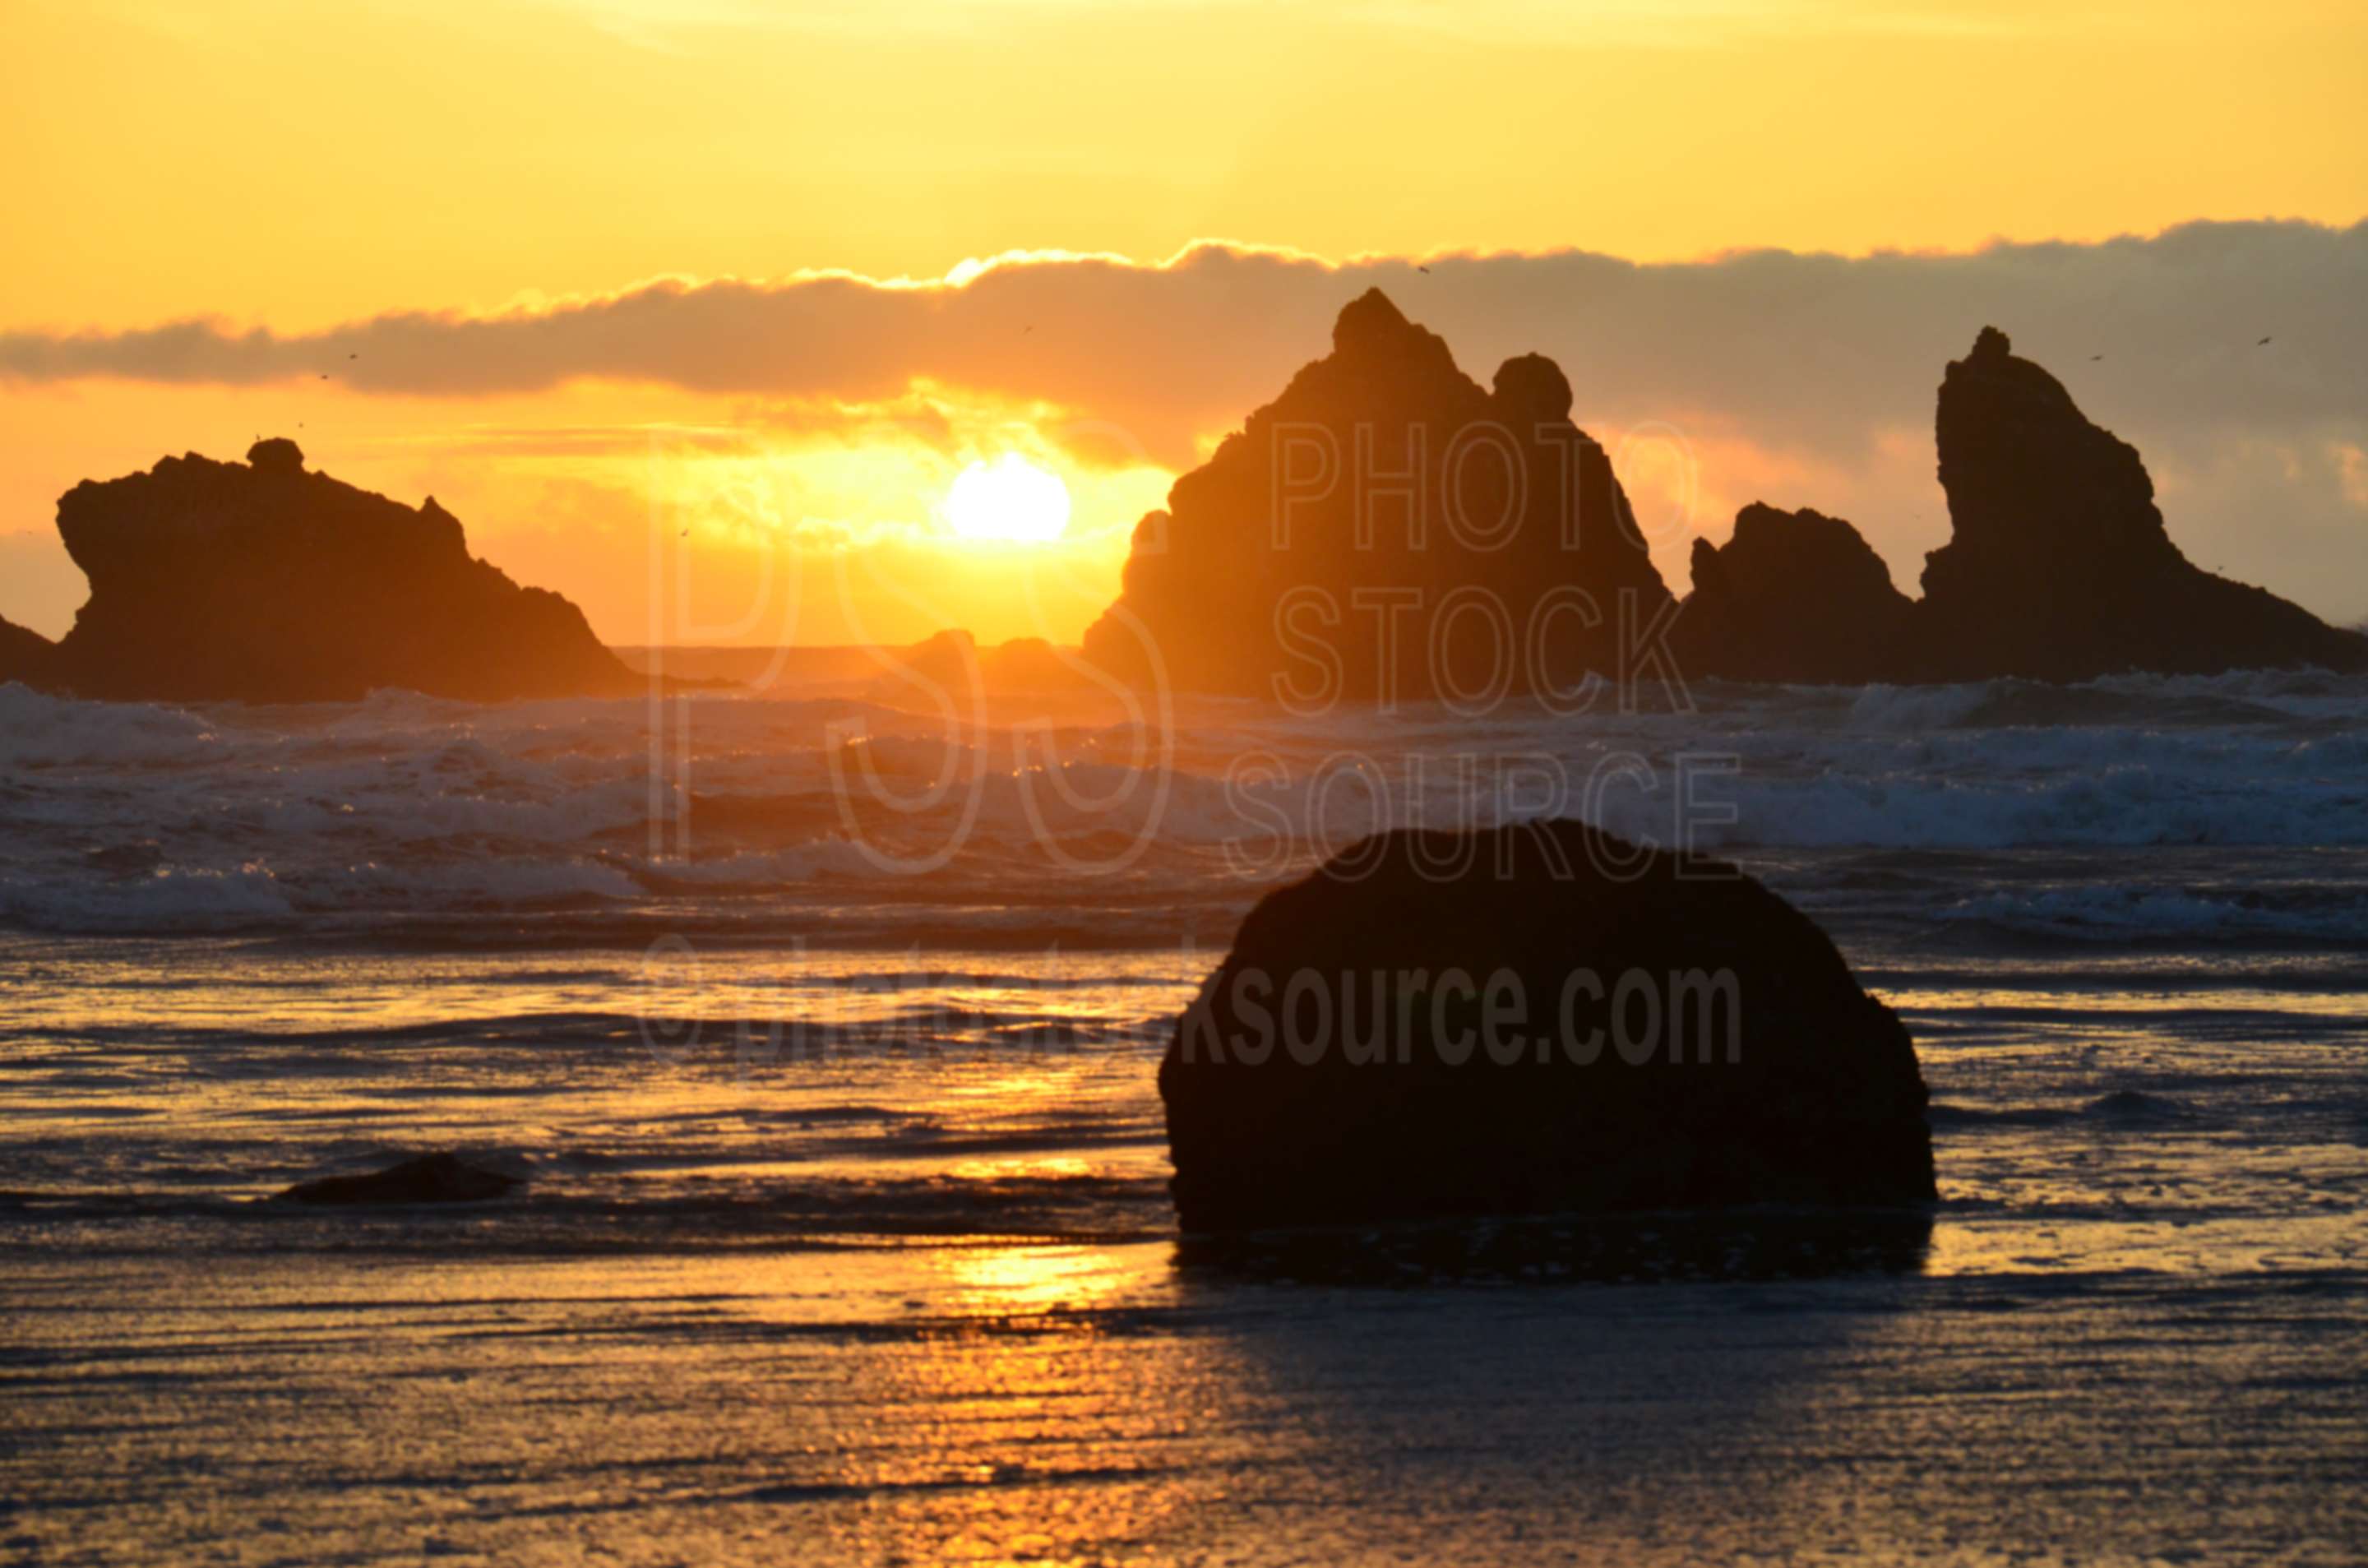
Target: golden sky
x=298, y=167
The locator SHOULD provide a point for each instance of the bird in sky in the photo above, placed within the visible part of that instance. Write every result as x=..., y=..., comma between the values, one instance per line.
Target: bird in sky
x=1424, y=270
x=2263, y=343
x=2094, y=358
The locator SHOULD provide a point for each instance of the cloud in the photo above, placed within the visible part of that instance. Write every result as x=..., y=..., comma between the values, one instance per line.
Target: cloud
x=1814, y=361
x=1798, y=345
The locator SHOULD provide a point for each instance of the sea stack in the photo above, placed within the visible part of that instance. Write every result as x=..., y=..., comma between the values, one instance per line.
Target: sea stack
x=2058, y=567
x=1795, y=597
x=1665, y=1034
x=263, y=581
x=1388, y=529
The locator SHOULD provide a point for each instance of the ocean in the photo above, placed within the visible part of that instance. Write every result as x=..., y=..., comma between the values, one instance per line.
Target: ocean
x=822, y=1024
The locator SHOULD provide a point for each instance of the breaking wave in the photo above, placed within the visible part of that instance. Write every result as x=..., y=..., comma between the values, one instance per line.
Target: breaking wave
x=132, y=817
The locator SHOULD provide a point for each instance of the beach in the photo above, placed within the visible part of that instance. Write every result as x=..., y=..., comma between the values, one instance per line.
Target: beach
x=845, y=1235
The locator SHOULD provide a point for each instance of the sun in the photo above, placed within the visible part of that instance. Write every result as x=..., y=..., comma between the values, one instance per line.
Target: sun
x=1010, y=498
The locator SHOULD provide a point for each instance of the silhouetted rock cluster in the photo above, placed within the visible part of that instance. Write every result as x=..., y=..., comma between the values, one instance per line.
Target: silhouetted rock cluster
x=2058, y=567
x=1320, y=552
x=261, y=582
x=1340, y=1067
x=1385, y=528
x=951, y=664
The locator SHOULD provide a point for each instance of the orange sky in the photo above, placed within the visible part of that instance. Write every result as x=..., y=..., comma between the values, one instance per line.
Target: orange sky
x=296, y=168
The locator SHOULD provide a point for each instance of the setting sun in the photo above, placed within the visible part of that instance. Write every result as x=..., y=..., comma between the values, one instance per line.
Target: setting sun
x=1010, y=498
x=1056, y=782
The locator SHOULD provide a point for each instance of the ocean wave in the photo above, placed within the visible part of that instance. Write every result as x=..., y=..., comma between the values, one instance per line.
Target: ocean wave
x=149, y=817
x=2117, y=911
x=168, y=899
x=39, y=730
x=2240, y=697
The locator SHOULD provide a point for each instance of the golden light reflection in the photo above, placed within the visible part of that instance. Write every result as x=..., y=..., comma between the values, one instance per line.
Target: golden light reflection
x=1014, y=1281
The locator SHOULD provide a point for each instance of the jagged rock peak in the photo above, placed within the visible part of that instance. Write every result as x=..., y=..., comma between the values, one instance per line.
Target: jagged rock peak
x=1373, y=340
x=1369, y=318
x=1350, y=482
x=1991, y=344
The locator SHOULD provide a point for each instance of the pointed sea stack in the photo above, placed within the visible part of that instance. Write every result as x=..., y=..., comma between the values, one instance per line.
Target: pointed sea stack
x=1388, y=529
x=260, y=582
x=2058, y=566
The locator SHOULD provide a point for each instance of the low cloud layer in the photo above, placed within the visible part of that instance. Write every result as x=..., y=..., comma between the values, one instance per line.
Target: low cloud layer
x=1820, y=363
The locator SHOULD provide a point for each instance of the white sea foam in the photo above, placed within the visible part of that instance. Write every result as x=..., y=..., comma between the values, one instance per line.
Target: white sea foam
x=131, y=815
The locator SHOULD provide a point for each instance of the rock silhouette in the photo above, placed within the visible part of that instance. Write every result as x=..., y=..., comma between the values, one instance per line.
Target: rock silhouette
x=954, y=664
x=1384, y=1099
x=25, y=655
x=431, y=1179
x=264, y=583
x=1795, y=597
x=2058, y=567
x=1315, y=554
x=1387, y=529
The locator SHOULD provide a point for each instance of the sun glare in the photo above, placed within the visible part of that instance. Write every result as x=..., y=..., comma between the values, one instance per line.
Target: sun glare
x=1010, y=498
